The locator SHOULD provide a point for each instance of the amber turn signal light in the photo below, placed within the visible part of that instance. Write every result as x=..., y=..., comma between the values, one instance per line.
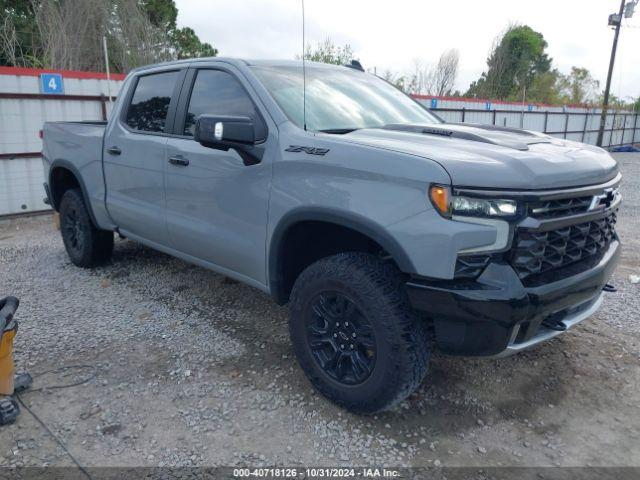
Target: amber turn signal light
x=441, y=199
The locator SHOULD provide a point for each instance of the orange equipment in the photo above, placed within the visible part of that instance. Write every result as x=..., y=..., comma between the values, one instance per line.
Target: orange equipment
x=8, y=329
x=9, y=409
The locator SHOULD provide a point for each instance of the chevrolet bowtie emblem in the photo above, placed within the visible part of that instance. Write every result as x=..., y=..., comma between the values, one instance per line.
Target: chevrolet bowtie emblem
x=605, y=199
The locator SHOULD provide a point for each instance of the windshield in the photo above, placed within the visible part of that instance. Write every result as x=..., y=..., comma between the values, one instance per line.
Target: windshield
x=340, y=99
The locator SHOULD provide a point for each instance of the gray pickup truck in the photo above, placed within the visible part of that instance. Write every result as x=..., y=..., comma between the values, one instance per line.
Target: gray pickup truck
x=386, y=230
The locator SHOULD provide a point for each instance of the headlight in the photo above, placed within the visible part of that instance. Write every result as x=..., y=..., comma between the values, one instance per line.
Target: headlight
x=449, y=205
x=478, y=207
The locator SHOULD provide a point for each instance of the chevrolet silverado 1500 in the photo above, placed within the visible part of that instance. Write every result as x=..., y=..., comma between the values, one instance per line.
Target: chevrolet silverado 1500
x=387, y=231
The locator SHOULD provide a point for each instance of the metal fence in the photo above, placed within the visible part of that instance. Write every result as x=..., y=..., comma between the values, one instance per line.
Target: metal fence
x=24, y=106
x=102, y=100
x=21, y=173
x=621, y=128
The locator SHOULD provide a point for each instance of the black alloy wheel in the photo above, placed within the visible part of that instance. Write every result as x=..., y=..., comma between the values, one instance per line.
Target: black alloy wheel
x=341, y=339
x=72, y=230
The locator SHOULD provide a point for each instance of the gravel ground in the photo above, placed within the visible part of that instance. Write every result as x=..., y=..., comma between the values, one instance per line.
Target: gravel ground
x=186, y=367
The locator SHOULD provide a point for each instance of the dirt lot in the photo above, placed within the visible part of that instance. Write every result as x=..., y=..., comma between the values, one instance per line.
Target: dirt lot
x=186, y=368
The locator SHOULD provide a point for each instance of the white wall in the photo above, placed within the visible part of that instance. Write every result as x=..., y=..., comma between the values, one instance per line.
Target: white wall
x=21, y=186
x=21, y=179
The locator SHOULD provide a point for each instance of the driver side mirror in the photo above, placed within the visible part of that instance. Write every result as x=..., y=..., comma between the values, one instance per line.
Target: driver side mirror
x=220, y=132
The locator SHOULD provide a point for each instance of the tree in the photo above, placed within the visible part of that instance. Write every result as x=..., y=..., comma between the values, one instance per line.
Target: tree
x=184, y=41
x=68, y=34
x=579, y=86
x=545, y=88
x=327, y=52
x=636, y=105
x=617, y=103
x=517, y=57
x=445, y=73
x=162, y=13
x=187, y=44
x=438, y=79
x=399, y=81
x=19, y=42
x=418, y=81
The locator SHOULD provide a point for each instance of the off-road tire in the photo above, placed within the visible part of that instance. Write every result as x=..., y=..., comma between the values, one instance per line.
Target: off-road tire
x=86, y=245
x=376, y=289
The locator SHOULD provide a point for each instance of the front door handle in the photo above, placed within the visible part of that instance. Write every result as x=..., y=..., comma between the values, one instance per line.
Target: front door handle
x=178, y=160
x=114, y=150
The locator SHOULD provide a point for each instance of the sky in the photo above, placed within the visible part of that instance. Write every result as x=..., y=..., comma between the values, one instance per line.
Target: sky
x=390, y=35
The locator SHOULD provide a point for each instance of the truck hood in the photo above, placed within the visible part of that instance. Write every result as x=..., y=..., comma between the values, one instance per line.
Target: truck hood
x=496, y=157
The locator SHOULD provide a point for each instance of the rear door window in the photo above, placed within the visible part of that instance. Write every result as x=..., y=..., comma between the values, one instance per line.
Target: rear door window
x=149, y=105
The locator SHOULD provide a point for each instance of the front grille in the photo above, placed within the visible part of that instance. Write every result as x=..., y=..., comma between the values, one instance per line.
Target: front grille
x=559, y=208
x=536, y=252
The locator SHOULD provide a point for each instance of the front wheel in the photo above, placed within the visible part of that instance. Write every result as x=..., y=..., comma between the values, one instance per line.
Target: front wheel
x=354, y=333
x=86, y=245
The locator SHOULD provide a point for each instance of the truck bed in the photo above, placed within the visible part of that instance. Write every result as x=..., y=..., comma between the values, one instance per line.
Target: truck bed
x=83, y=140
x=77, y=147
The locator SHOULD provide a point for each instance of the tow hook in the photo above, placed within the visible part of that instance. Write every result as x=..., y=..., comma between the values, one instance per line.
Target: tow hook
x=609, y=288
x=554, y=322
x=554, y=325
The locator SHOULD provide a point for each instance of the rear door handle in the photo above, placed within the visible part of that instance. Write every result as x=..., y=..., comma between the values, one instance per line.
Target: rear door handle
x=114, y=150
x=178, y=160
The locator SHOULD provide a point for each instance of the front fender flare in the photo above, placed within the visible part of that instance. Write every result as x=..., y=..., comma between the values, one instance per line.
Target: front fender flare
x=358, y=223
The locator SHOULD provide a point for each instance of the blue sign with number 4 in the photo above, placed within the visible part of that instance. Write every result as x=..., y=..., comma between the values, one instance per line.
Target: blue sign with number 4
x=51, y=83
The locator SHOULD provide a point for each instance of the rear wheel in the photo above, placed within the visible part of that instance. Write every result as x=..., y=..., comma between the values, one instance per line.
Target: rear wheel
x=355, y=334
x=86, y=245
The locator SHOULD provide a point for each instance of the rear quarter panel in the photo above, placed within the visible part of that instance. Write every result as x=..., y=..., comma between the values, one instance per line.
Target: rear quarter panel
x=78, y=148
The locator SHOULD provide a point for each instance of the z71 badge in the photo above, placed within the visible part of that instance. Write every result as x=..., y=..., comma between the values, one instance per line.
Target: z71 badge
x=309, y=150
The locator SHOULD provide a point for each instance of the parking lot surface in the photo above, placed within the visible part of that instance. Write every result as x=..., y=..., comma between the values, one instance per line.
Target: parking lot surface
x=179, y=366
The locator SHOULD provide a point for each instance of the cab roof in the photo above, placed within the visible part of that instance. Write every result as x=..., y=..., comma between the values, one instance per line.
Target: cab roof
x=237, y=61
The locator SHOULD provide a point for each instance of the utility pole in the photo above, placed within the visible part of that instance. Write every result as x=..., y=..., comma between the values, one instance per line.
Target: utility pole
x=617, y=21
x=106, y=64
x=524, y=97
